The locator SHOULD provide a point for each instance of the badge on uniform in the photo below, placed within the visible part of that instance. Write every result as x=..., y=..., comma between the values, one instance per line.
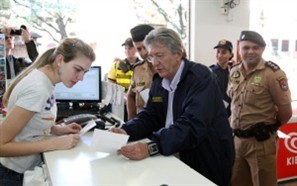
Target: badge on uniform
x=157, y=99
x=257, y=80
x=236, y=74
x=283, y=83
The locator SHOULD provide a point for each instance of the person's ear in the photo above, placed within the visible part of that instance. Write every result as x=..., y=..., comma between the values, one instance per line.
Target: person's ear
x=180, y=55
x=59, y=60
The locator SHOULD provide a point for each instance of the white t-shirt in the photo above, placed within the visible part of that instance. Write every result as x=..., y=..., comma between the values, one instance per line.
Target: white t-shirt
x=35, y=92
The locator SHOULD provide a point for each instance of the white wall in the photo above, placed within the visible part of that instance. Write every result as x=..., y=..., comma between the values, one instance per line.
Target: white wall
x=209, y=26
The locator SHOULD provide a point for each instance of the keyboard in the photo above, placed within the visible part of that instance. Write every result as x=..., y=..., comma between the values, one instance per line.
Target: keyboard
x=80, y=118
x=62, y=113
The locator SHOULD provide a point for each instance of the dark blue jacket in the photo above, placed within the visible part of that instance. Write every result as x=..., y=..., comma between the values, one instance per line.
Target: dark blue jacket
x=223, y=78
x=201, y=133
x=20, y=63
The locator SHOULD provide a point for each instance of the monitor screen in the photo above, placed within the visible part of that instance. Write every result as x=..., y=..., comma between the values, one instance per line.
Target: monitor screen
x=87, y=90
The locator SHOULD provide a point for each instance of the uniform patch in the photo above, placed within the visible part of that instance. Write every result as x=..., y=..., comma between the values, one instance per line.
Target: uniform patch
x=157, y=99
x=283, y=83
x=257, y=80
x=236, y=74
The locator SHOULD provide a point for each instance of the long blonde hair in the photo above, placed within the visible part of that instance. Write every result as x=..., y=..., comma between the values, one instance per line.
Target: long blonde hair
x=68, y=48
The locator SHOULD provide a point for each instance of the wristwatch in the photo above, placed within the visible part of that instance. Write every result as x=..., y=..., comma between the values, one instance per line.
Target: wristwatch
x=152, y=148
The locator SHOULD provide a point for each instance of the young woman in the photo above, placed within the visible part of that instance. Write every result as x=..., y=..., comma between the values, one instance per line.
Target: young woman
x=30, y=122
x=224, y=57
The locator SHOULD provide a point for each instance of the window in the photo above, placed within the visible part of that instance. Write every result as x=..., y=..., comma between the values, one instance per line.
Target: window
x=274, y=44
x=279, y=31
x=99, y=23
x=285, y=45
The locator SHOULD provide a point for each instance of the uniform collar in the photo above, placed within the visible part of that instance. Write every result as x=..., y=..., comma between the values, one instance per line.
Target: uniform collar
x=260, y=66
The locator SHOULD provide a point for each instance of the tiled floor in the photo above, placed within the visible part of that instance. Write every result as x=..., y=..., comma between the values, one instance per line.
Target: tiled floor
x=288, y=183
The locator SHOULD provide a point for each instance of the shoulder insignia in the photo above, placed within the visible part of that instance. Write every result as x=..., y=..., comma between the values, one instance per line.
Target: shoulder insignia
x=235, y=64
x=272, y=66
x=137, y=63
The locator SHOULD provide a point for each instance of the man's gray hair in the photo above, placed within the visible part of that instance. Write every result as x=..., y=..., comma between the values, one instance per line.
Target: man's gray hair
x=164, y=36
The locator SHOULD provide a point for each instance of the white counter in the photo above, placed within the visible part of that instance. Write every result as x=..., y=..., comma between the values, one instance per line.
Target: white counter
x=81, y=166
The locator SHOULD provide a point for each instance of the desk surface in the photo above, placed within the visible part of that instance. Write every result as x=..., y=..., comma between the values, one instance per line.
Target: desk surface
x=82, y=166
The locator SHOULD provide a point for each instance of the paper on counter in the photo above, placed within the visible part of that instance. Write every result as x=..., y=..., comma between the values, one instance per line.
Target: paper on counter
x=105, y=141
x=91, y=124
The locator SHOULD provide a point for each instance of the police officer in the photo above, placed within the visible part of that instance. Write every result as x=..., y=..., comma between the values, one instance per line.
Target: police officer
x=121, y=71
x=224, y=56
x=261, y=102
x=142, y=73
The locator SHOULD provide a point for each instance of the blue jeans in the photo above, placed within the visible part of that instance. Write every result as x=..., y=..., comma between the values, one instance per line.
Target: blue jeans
x=9, y=177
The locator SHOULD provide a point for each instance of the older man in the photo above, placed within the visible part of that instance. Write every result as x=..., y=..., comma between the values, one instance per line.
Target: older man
x=185, y=114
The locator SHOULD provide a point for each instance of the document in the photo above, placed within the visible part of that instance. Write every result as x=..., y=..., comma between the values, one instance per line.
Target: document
x=91, y=124
x=105, y=141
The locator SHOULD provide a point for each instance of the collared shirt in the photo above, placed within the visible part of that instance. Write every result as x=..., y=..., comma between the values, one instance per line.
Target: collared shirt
x=255, y=94
x=142, y=78
x=171, y=87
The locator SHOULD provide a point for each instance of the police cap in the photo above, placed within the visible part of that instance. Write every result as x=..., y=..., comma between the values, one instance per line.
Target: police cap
x=128, y=42
x=139, y=32
x=224, y=44
x=252, y=36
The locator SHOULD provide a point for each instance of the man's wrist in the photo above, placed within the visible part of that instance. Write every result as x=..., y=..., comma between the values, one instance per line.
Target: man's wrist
x=152, y=148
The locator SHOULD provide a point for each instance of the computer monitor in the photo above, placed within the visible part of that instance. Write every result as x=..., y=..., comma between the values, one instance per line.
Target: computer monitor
x=86, y=91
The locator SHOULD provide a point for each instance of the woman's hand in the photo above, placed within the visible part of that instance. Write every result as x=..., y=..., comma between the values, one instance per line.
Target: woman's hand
x=72, y=128
x=65, y=142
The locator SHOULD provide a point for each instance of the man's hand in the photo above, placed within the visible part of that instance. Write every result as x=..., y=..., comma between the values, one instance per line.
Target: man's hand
x=117, y=130
x=26, y=35
x=135, y=151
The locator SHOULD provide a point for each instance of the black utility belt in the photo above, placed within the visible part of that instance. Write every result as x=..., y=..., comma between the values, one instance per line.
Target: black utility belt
x=260, y=131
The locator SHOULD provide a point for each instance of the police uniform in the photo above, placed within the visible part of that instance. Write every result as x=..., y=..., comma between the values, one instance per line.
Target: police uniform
x=121, y=73
x=142, y=74
x=222, y=75
x=141, y=79
x=255, y=97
